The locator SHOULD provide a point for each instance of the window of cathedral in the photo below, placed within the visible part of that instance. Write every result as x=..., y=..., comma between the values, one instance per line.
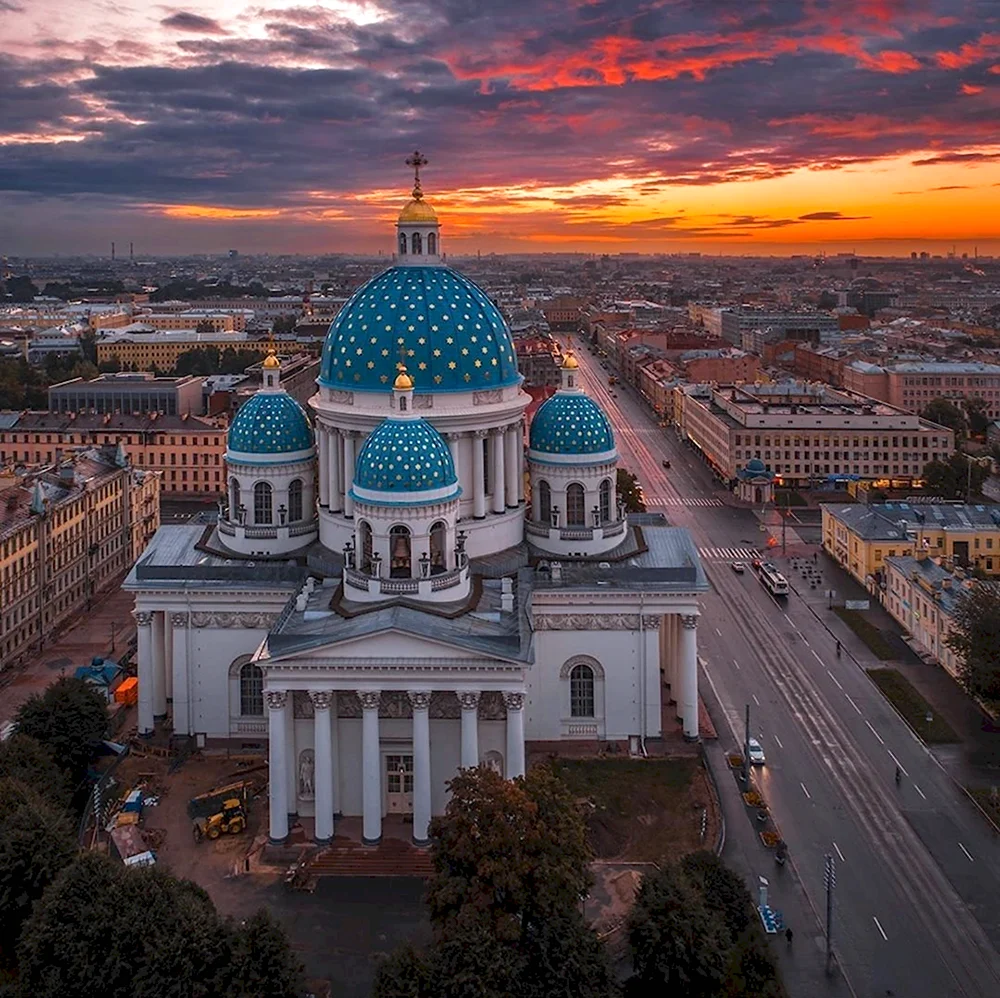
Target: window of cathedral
x=402, y=244
x=234, y=497
x=431, y=243
x=295, y=500
x=544, y=502
x=400, y=553
x=262, y=503
x=576, y=512
x=605, y=499
x=417, y=244
x=365, y=533
x=487, y=466
x=581, y=691
x=438, y=539
x=251, y=691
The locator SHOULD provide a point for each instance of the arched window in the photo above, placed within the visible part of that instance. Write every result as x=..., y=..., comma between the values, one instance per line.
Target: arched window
x=399, y=553
x=438, y=539
x=234, y=498
x=544, y=502
x=581, y=691
x=432, y=243
x=251, y=691
x=295, y=500
x=576, y=513
x=605, y=499
x=262, y=503
x=365, y=532
x=417, y=244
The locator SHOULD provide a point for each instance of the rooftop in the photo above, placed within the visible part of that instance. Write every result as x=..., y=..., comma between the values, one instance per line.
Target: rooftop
x=889, y=521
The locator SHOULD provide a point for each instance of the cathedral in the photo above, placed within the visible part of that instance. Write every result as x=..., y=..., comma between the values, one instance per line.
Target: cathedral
x=408, y=579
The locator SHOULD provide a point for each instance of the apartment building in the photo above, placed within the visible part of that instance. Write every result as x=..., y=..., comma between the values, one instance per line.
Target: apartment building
x=807, y=433
x=143, y=348
x=862, y=537
x=186, y=451
x=221, y=320
x=816, y=327
x=129, y=392
x=67, y=532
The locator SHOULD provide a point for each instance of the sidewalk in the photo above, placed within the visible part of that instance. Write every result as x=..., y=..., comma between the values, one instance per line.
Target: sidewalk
x=87, y=635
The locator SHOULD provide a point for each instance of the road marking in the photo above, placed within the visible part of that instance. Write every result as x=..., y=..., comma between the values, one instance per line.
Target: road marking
x=852, y=703
x=837, y=681
x=737, y=664
x=818, y=659
x=967, y=853
x=789, y=619
x=806, y=792
x=717, y=631
x=777, y=741
x=839, y=853
x=874, y=732
x=902, y=768
x=804, y=639
x=755, y=700
x=919, y=791
x=878, y=925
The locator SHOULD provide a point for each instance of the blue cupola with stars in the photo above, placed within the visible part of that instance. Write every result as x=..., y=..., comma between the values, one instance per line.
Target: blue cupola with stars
x=570, y=427
x=271, y=427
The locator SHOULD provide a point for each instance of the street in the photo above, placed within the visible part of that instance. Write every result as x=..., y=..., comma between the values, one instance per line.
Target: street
x=917, y=909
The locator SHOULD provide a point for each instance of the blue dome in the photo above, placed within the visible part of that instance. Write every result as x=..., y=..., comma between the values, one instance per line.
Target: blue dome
x=571, y=423
x=406, y=456
x=450, y=335
x=270, y=423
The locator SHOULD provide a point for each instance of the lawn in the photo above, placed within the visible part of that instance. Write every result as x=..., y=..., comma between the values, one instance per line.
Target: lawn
x=988, y=800
x=867, y=631
x=644, y=810
x=898, y=689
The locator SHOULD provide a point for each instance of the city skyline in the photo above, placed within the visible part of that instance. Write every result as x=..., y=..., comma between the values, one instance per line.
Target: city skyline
x=585, y=127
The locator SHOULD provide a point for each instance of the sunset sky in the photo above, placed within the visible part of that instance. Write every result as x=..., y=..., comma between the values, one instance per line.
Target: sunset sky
x=736, y=126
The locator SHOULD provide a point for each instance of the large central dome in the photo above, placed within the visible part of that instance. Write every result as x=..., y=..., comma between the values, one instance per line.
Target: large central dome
x=439, y=323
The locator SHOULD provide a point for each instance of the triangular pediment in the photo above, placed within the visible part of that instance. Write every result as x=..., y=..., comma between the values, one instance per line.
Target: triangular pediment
x=390, y=643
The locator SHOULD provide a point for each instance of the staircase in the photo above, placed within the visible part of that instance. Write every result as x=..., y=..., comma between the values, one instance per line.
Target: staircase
x=391, y=858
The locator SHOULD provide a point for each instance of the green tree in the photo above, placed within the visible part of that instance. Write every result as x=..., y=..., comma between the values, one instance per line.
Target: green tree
x=283, y=324
x=36, y=843
x=20, y=289
x=975, y=639
x=627, y=486
x=957, y=477
x=263, y=962
x=402, y=974
x=944, y=412
x=205, y=326
x=976, y=414
x=70, y=717
x=32, y=763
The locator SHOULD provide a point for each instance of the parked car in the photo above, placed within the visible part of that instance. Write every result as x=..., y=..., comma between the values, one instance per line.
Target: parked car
x=756, y=753
x=738, y=567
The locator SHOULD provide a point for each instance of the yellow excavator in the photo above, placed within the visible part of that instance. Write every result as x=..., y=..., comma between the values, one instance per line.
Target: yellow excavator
x=231, y=820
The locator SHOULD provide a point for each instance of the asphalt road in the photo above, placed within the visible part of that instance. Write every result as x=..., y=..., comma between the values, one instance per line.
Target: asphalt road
x=917, y=909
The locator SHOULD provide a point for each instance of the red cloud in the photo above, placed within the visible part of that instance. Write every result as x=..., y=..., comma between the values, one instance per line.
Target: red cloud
x=970, y=53
x=970, y=89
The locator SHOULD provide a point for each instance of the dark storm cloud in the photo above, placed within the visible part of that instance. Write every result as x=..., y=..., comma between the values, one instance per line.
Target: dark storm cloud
x=545, y=92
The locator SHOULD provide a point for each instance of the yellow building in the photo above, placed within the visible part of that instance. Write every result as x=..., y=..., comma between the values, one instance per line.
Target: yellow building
x=861, y=536
x=143, y=348
x=186, y=451
x=67, y=532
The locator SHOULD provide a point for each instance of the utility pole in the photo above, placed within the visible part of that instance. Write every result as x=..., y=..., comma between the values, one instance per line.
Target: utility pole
x=829, y=881
x=746, y=750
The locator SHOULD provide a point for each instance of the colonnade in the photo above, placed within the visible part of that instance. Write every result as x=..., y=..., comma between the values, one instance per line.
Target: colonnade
x=679, y=652
x=280, y=769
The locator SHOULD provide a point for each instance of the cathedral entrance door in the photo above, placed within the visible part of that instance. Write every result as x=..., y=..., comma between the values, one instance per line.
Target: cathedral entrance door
x=399, y=784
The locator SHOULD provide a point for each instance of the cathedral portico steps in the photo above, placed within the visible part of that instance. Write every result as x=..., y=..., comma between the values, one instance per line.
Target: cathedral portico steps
x=392, y=857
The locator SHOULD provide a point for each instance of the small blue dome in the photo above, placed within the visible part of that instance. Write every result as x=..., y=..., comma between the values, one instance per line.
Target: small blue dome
x=405, y=456
x=270, y=423
x=450, y=335
x=571, y=423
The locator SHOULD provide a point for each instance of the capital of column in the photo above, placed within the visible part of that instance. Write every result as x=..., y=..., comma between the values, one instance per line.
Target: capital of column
x=276, y=699
x=321, y=699
x=469, y=699
x=370, y=699
x=452, y=435
x=419, y=699
x=178, y=620
x=513, y=701
x=689, y=620
x=480, y=434
x=142, y=618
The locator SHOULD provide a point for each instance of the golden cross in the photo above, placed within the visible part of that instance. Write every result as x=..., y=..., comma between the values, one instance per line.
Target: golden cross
x=416, y=161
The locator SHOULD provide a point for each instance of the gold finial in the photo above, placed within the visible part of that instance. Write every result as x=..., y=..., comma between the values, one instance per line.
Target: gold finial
x=570, y=363
x=416, y=161
x=271, y=360
x=403, y=382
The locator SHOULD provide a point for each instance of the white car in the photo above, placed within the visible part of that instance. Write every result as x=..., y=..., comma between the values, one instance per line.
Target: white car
x=756, y=753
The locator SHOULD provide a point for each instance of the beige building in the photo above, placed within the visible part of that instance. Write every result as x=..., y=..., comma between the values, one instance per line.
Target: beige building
x=67, y=532
x=144, y=348
x=807, y=433
x=220, y=321
x=186, y=451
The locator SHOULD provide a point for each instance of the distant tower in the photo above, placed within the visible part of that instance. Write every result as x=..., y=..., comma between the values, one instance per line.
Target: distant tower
x=112, y=251
x=131, y=252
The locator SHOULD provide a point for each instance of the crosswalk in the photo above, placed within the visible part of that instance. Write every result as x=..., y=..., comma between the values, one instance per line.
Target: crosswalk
x=728, y=554
x=681, y=501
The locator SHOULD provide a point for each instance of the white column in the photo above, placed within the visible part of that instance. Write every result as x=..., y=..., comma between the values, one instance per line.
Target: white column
x=688, y=669
x=277, y=769
x=454, y=440
x=420, y=700
x=499, y=488
x=371, y=764
x=333, y=463
x=291, y=761
x=469, y=700
x=182, y=704
x=144, y=669
x=348, y=473
x=510, y=474
x=323, y=453
x=514, y=702
x=519, y=451
x=478, y=476
x=159, y=666
x=323, y=771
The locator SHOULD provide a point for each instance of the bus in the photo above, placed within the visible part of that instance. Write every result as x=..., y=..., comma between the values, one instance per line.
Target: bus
x=772, y=580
